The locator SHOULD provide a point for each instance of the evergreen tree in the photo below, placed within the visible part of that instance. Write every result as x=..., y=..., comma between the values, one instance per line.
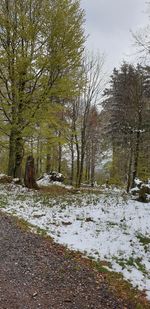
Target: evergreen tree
x=126, y=101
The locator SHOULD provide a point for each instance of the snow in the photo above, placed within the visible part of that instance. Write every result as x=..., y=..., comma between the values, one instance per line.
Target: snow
x=46, y=181
x=2, y=175
x=108, y=226
x=137, y=181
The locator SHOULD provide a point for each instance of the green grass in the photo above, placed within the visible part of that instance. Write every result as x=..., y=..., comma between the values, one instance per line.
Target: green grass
x=136, y=262
x=145, y=241
x=122, y=287
x=101, y=267
x=41, y=232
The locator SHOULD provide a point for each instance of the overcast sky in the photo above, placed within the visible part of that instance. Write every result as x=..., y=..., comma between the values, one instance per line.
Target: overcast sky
x=108, y=23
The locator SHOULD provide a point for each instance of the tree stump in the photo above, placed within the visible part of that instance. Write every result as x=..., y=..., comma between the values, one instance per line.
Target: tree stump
x=29, y=178
x=143, y=194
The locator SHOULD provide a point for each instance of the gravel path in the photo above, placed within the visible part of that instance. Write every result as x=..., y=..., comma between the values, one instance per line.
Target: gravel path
x=36, y=273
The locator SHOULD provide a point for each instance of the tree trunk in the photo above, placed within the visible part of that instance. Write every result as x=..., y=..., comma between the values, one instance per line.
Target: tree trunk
x=82, y=157
x=12, y=154
x=29, y=178
x=136, y=158
x=19, y=157
x=72, y=162
x=88, y=165
x=81, y=169
x=92, y=165
x=48, y=163
x=40, y=158
x=129, y=182
x=59, y=155
x=78, y=159
x=37, y=156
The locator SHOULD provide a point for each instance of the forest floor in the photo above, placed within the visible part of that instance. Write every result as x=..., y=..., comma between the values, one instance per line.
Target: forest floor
x=37, y=273
x=110, y=230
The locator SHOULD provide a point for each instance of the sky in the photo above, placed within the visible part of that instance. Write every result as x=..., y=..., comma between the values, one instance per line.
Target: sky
x=109, y=24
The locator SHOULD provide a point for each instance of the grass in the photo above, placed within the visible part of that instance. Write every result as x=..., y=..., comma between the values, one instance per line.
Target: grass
x=119, y=286
x=125, y=290
x=112, y=224
x=23, y=224
x=3, y=204
x=145, y=241
x=137, y=262
x=101, y=266
x=55, y=191
x=41, y=232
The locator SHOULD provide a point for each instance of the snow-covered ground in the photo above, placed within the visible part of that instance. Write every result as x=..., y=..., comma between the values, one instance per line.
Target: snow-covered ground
x=109, y=226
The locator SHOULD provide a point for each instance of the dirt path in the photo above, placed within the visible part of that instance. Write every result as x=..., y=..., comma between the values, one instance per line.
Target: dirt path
x=36, y=273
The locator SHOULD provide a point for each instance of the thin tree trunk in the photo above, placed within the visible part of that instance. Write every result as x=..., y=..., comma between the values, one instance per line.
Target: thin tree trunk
x=78, y=160
x=40, y=158
x=12, y=154
x=92, y=165
x=72, y=161
x=37, y=156
x=48, y=163
x=87, y=172
x=59, y=155
x=129, y=182
x=19, y=157
x=81, y=167
x=82, y=157
x=136, y=158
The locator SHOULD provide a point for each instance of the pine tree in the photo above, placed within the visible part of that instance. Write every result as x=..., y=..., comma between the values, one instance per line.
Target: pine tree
x=126, y=102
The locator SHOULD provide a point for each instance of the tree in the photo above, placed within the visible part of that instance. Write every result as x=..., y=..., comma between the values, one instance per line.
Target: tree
x=93, y=143
x=41, y=45
x=94, y=83
x=126, y=102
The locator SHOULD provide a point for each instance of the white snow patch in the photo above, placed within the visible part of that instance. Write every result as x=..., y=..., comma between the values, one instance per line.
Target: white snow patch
x=107, y=227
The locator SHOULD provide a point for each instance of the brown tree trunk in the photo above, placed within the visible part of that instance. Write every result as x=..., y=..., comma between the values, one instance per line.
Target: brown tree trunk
x=137, y=147
x=78, y=159
x=72, y=161
x=37, y=156
x=129, y=182
x=59, y=155
x=29, y=178
x=87, y=171
x=19, y=158
x=48, y=163
x=93, y=165
x=12, y=154
x=83, y=144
